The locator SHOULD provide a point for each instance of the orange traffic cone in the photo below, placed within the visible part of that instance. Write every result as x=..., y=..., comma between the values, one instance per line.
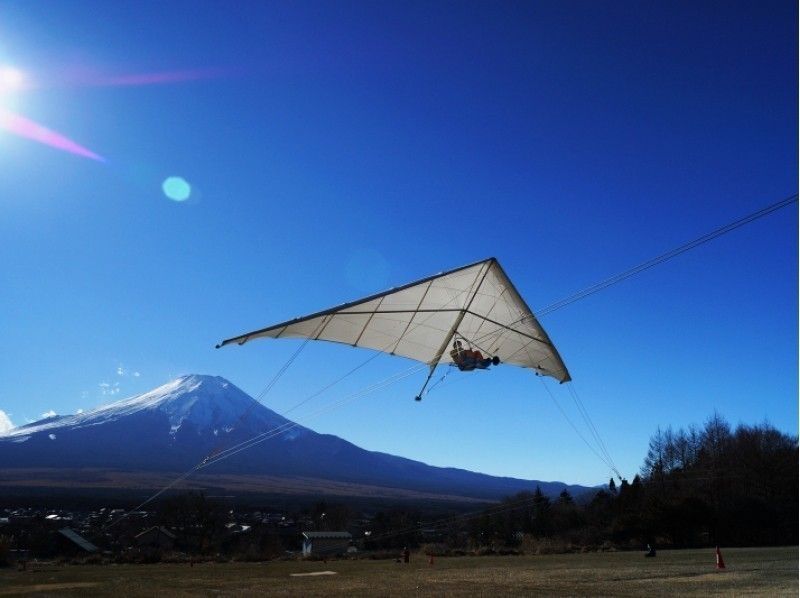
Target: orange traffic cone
x=720, y=562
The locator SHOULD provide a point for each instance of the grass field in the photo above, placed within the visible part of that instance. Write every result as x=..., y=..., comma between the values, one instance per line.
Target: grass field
x=750, y=571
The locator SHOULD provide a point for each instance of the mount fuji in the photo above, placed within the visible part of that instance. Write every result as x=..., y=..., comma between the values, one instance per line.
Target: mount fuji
x=172, y=428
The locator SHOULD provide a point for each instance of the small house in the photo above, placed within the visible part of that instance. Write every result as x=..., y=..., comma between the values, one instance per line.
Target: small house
x=325, y=543
x=155, y=537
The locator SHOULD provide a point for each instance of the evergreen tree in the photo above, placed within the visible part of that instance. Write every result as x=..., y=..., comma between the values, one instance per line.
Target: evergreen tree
x=565, y=498
x=541, y=514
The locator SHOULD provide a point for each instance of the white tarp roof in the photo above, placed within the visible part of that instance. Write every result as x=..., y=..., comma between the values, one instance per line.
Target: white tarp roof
x=419, y=320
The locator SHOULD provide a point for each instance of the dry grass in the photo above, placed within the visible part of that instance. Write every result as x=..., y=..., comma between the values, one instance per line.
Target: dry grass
x=755, y=571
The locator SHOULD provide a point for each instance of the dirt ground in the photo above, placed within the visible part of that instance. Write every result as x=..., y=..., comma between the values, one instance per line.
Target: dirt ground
x=749, y=572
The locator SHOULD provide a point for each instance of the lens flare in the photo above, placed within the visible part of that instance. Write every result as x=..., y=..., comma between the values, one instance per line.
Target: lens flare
x=86, y=76
x=24, y=127
x=176, y=188
x=158, y=78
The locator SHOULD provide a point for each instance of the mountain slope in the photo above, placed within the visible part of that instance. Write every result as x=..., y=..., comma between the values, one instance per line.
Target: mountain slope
x=173, y=427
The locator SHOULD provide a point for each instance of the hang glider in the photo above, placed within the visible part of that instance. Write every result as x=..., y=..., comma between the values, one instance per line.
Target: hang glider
x=422, y=320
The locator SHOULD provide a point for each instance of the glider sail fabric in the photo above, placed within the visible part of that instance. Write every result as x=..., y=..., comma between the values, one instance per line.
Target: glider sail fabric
x=420, y=320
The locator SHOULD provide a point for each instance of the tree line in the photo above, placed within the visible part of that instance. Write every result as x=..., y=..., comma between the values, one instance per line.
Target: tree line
x=697, y=487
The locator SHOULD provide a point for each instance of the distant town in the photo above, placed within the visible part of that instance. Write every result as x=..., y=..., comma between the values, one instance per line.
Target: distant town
x=192, y=527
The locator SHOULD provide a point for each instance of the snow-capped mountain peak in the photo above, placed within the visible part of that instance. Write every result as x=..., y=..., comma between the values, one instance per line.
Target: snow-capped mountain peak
x=210, y=403
x=186, y=421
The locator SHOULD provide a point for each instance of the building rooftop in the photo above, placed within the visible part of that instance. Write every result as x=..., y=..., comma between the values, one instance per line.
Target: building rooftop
x=328, y=535
x=163, y=530
x=73, y=536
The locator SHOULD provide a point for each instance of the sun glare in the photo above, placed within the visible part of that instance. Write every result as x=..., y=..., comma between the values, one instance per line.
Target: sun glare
x=11, y=79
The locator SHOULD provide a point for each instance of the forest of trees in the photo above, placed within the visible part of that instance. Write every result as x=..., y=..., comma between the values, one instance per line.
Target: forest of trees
x=697, y=487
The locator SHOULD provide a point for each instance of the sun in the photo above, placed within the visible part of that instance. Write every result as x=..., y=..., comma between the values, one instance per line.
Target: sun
x=11, y=79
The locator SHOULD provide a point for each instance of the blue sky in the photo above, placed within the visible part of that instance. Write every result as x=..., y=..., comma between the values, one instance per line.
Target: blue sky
x=337, y=149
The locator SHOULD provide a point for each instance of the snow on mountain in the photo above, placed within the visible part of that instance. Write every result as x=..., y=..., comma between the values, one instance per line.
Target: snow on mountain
x=5, y=422
x=175, y=426
x=210, y=403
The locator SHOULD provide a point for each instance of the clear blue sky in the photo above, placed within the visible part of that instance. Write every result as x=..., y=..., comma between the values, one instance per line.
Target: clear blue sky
x=338, y=148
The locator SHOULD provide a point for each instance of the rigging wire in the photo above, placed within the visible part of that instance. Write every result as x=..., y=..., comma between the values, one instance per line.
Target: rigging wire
x=289, y=425
x=260, y=396
x=332, y=384
x=604, y=284
x=581, y=436
x=646, y=265
x=439, y=381
x=590, y=424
